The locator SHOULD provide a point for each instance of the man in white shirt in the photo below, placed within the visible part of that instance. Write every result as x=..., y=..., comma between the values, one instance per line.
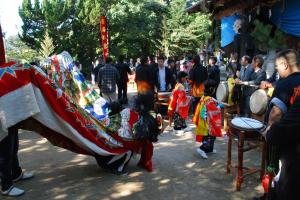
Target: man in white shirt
x=165, y=80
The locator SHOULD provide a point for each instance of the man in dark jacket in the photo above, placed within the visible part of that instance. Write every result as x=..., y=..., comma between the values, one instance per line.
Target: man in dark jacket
x=144, y=77
x=245, y=76
x=124, y=71
x=213, y=74
x=256, y=77
x=164, y=77
x=197, y=76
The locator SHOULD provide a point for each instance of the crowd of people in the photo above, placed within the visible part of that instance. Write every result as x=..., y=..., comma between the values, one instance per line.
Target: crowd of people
x=193, y=89
x=194, y=85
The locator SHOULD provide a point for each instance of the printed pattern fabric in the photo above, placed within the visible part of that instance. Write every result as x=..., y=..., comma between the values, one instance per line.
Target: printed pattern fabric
x=179, y=102
x=207, y=118
x=59, y=118
x=179, y=122
x=68, y=78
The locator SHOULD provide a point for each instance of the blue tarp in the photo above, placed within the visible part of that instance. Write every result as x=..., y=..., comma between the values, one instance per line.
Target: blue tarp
x=227, y=29
x=287, y=16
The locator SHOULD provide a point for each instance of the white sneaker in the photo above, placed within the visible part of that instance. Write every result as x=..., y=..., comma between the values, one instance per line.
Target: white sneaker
x=187, y=129
x=178, y=132
x=168, y=128
x=24, y=176
x=202, y=153
x=13, y=192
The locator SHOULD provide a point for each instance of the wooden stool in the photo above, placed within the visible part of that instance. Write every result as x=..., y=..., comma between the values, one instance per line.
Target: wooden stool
x=162, y=103
x=255, y=140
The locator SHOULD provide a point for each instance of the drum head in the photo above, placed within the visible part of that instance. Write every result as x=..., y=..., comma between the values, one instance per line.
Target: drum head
x=163, y=96
x=259, y=102
x=222, y=92
x=244, y=123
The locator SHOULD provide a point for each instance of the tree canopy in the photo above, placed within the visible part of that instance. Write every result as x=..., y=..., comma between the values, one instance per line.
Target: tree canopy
x=18, y=51
x=135, y=27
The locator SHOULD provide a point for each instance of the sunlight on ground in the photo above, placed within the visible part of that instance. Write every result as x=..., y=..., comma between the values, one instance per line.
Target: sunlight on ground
x=190, y=165
x=164, y=181
x=135, y=174
x=126, y=189
x=78, y=158
x=61, y=196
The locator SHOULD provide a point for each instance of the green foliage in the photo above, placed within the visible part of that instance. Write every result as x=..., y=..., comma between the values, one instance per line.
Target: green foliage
x=135, y=27
x=47, y=47
x=18, y=51
x=183, y=32
x=263, y=39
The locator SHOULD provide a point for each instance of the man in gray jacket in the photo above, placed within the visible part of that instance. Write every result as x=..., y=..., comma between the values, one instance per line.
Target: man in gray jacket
x=244, y=76
x=257, y=76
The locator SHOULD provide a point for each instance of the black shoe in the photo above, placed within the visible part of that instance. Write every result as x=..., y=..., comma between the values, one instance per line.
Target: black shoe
x=264, y=197
x=119, y=173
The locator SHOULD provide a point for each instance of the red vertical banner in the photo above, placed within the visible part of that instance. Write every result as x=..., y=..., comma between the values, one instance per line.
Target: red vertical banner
x=2, y=51
x=104, y=36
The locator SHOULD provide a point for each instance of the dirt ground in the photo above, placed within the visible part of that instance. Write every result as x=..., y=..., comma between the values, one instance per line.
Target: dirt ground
x=179, y=173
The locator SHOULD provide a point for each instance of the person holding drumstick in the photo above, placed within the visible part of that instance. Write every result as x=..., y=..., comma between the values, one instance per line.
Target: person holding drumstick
x=284, y=95
x=285, y=135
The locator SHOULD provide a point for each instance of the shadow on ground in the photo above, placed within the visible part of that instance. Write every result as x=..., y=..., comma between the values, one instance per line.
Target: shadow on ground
x=179, y=173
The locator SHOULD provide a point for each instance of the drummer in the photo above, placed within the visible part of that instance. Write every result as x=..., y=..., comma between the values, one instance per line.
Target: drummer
x=287, y=65
x=285, y=135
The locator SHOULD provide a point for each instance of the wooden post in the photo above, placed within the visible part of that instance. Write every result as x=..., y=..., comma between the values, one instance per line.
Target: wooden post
x=229, y=153
x=240, y=177
x=2, y=51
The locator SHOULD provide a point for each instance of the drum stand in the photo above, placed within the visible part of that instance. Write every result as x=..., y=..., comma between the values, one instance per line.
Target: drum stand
x=157, y=104
x=241, y=150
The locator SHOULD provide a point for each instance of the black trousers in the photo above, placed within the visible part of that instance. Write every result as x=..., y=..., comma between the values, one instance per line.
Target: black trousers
x=208, y=143
x=122, y=92
x=9, y=163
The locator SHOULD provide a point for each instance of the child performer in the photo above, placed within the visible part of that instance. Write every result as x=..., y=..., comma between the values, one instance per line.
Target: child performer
x=207, y=119
x=179, y=103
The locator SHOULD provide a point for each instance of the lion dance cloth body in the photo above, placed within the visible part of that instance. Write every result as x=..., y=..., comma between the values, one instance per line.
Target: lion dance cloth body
x=29, y=97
